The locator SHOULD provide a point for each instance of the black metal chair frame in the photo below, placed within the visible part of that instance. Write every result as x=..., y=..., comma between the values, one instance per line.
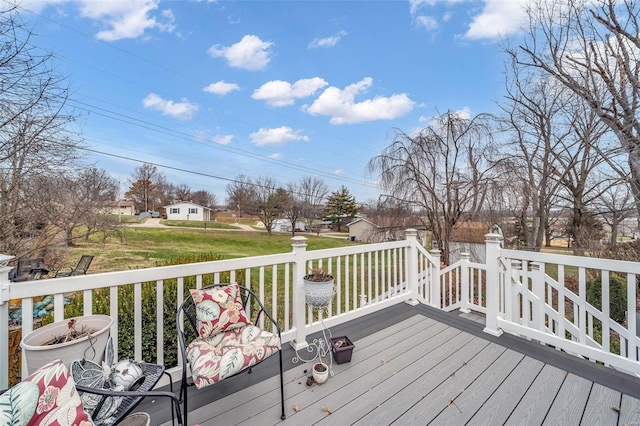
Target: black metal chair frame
x=80, y=269
x=28, y=269
x=188, y=310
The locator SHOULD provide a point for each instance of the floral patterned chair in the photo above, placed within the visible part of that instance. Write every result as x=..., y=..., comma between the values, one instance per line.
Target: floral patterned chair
x=218, y=339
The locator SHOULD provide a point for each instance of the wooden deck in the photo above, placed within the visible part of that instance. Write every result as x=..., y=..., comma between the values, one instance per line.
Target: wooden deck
x=422, y=366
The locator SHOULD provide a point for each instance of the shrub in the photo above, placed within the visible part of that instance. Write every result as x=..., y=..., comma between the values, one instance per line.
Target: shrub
x=617, y=296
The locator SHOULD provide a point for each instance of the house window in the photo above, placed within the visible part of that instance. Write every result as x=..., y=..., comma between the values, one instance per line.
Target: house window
x=193, y=211
x=175, y=210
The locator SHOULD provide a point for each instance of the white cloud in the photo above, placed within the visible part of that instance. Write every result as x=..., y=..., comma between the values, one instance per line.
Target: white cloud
x=328, y=41
x=498, y=18
x=221, y=88
x=183, y=110
x=340, y=105
x=428, y=22
x=338, y=172
x=278, y=93
x=464, y=113
x=126, y=19
x=250, y=53
x=415, y=5
x=222, y=139
x=275, y=156
x=277, y=136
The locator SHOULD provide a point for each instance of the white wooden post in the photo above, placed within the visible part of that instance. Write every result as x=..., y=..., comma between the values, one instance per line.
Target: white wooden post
x=435, y=280
x=299, y=267
x=492, y=244
x=412, y=265
x=464, y=282
x=4, y=320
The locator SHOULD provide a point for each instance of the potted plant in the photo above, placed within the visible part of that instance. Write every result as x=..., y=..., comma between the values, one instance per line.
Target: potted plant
x=320, y=372
x=75, y=338
x=318, y=288
x=342, y=348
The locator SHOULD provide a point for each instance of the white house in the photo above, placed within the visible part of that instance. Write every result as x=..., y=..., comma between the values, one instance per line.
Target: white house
x=284, y=225
x=188, y=211
x=121, y=207
x=363, y=230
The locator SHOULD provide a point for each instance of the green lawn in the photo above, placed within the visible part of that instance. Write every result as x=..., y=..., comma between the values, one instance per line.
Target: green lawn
x=143, y=247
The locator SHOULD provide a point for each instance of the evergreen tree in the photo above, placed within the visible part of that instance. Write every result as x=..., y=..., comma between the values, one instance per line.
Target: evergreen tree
x=340, y=205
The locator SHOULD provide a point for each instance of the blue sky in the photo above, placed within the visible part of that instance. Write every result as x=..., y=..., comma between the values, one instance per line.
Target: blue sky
x=269, y=88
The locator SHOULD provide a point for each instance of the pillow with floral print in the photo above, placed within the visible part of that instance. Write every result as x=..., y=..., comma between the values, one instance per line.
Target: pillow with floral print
x=59, y=403
x=219, y=309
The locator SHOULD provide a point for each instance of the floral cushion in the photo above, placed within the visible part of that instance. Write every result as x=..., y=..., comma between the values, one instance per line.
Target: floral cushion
x=47, y=397
x=220, y=356
x=219, y=309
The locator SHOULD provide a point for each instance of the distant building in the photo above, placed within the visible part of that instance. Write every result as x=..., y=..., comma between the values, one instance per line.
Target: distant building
x=188, y=211
x=122, y=207
x=284, y=225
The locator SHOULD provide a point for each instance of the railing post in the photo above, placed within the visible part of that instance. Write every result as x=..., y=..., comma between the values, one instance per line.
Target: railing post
x=412, y=265
x=4, y=320
x=492, y=244
x=435, y=280
x=464, y=282
x=299, y=245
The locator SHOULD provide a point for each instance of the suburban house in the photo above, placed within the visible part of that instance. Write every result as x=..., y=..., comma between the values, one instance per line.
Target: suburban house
x=284, y=225
x=366, y=230
x=188, y=211
x=363, y=230
x=121, y=207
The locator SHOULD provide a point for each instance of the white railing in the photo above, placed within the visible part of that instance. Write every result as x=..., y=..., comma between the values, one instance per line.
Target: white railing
x=368, y=278
x=533, y=295
x=546, y=297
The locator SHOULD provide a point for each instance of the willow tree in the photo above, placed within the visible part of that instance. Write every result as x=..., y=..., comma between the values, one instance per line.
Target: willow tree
x=443, y=170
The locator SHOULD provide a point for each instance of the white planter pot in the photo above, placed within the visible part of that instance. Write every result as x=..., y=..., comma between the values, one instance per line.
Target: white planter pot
x=320, y=376
x=38, y=354
x=318, y=294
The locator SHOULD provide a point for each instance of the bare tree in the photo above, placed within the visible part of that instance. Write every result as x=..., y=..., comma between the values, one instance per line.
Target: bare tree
x=77, y=200
x=143, y=189
x=182, y=192
x=614, y=205
x=293, y=206
x=444, y=170
x=536, y=127
x=267, y=201
x=35, y=138
x=313, y=192
x=204, y=198
x=240, y=193
x=593, y=49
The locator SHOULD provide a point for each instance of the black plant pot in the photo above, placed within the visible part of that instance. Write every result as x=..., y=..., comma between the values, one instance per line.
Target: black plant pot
x=342, y=349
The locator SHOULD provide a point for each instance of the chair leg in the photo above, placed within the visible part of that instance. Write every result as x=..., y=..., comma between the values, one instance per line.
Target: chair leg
x=283, y=416
x=183, y=395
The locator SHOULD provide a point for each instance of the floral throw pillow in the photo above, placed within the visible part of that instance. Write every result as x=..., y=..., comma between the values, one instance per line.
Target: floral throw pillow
x=59, y=403
x=219, y=309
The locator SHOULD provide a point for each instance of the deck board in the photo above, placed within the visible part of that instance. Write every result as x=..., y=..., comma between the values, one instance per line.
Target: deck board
x=498, y=407
x=629, y=411
x=473, y=397
x=600, y=406
x=533, y=407
x=421, y=369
